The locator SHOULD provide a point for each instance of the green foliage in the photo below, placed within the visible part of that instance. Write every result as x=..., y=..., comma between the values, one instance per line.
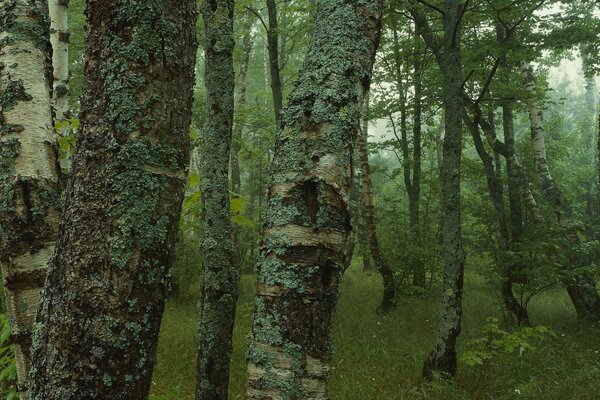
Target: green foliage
x=8, y=367
x=497, y=341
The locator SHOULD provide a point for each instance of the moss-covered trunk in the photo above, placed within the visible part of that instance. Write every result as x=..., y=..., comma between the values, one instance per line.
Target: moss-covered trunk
x=29, y=207
x=443, y=357
x=219, y=276
x=307, y=218
x=388, y=300
x=98, y=323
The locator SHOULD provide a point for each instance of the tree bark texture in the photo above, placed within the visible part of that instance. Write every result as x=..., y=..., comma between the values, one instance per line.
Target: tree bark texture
x=219, y=277
x=581, y=287
x=29, y=177
x=59, y=37
x=307, y=218
x=97, y=326
x=551, y=191
x=442, y=359
x=388, y=300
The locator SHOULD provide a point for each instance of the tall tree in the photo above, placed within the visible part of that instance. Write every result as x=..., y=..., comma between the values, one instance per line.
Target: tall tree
x=219, y=277
x=273, y=47
x=581, y=286
x=238, y=128
x=389, y=285
x=443, y=357
x=29, y=175
x=97, y=326
x=307, y=218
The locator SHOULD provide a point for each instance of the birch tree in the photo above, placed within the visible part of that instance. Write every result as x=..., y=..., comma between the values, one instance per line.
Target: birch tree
x=30, y=205
x=580, y=286
x=307, y=217
x=98, y=322
x=59, y=38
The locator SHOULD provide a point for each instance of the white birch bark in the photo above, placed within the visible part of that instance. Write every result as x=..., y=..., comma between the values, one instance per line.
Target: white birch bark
x=536, y=117
x=59, y=38
x=28, y=173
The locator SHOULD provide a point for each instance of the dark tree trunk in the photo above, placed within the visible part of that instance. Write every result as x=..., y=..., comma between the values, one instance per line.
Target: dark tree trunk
x=388, y=301
x=496, y=191
x=97, y=325
x=415, y=192
x=442, y=359
x=273, y=46
x=307, y=218
x=514, y=190
x=219, y=277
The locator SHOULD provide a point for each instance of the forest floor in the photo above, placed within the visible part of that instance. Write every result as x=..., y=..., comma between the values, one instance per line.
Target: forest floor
x=380, y=358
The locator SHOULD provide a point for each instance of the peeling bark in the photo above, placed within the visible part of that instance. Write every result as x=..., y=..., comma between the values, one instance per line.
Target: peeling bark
x=29, y=176
x=307, y=218
x=98, y=322
x=59, y=37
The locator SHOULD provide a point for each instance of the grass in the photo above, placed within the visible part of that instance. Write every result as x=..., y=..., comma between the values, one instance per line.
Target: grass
x=381, y=357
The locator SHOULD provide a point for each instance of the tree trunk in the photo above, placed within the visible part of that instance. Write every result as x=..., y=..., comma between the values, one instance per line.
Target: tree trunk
x=59, y=37
x=219, y=277
x=273, y=46
x=514, y=190
x=442, y=359
x=307, y=218
x=415, y=192
x=388, y=301
x=97, y=326
x=238, y=128
x=496, y=191
x=580, y=286
x=29, y=177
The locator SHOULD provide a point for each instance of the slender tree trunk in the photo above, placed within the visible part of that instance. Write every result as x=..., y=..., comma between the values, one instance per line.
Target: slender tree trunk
x=388, y=301
x=415, y=193
x=29, y=176
x=591, y=91
x=307, y=218
x=494, y=182
x=238, y=128
x=514, y=190
x=219, y=277
x=273, y=46
x=443, y=357
x=59, y=37
x=97, y=326
x=580, y=286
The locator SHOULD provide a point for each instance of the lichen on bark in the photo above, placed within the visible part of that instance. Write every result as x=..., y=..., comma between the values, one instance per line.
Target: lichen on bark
x=302, y=256
x=97, y=326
